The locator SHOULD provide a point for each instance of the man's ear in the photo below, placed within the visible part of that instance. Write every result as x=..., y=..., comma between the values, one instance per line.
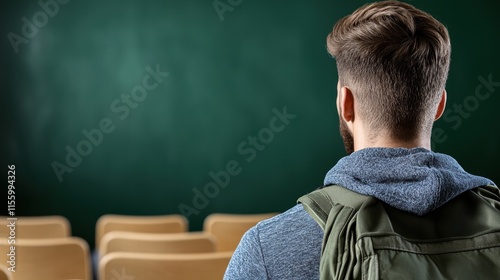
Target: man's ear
x=346, y=104
x=441, y=106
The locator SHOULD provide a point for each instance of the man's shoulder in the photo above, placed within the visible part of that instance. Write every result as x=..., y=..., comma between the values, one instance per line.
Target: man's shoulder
x=287, y=246
x=291, y=244
x=294, y=221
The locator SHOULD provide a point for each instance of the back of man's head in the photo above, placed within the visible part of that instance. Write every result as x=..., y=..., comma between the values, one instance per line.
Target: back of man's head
x=395, y=59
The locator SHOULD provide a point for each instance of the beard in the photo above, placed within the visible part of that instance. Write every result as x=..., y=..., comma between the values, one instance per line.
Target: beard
x=346, y=137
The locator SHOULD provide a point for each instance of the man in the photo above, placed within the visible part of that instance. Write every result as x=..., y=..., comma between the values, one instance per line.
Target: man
x=393, y=62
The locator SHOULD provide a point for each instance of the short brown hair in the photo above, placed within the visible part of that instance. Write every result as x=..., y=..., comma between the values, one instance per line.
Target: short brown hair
x=395, y=58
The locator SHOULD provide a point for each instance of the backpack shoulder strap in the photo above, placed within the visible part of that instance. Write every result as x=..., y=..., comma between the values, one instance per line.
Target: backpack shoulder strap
x=490, y=193
x=320, y=202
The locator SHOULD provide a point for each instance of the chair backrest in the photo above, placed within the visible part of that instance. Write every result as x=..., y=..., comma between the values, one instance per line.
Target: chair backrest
x=206, y=266
x=36, y=227
x=144, y=224
x=5, y=274
x=175, y=243
x=48, y=259
x=229, y=228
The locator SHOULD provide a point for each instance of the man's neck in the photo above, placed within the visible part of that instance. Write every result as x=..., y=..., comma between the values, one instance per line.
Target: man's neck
x=386, y=142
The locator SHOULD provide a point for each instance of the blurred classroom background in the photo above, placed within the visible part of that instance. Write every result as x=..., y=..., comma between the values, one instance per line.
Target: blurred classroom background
x=197, y=107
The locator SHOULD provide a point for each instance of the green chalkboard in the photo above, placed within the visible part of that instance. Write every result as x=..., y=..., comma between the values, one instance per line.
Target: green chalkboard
x=154, y=107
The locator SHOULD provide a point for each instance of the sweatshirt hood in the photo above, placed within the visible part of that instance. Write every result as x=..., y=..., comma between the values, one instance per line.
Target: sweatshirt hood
x=414, y=180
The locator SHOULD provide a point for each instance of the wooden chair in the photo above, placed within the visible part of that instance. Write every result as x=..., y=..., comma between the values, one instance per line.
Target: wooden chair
x=49, y=259
x=5, y=274
x=37, y=227
x=175, y=243
x=229, y=228
x=206, y=266
x=144, y=224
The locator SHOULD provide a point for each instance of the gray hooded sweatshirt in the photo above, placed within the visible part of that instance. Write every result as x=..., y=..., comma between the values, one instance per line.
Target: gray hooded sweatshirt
x=288, y=246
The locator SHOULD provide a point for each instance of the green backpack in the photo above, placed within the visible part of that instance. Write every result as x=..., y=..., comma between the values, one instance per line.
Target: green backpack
x=366, y=239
